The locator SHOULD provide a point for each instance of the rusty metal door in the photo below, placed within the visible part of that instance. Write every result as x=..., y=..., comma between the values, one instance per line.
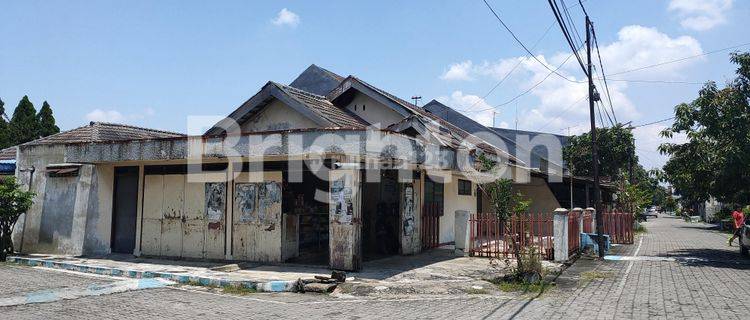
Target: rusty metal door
x=432, y=210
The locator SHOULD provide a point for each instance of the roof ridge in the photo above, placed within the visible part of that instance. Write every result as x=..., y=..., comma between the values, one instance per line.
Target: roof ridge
x=99, y=123
x=287, y=87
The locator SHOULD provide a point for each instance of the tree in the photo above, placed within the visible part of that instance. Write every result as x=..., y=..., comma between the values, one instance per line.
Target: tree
x=24, y=125
x=715, y=159
x=13, y=202
x=507, y=204
x=616, y=149
x=4, y=136
x=46, y=121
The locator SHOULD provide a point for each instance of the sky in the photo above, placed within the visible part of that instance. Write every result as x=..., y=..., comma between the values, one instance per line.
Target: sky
x=154, y=63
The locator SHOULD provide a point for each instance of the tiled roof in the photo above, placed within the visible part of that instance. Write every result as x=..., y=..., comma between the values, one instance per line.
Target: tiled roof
x=102, y=132
x=8, y=153
x=317, y=80
x=445, y=131
x=324, y=108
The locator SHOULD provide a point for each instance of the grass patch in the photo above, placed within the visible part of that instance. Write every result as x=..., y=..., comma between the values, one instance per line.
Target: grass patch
x=539, y=287
x=238, y=290
x=589, y=276
x=640, y=229
x=229, y=289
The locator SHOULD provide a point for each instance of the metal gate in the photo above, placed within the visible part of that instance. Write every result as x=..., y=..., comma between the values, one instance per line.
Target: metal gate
x=491, y=237
x=431, y=225
x=619, y=227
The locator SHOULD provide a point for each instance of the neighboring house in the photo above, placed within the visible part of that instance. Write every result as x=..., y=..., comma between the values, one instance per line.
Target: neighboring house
x=72, y=209
x=329, y=170
x=8, y=161
x=550, y=184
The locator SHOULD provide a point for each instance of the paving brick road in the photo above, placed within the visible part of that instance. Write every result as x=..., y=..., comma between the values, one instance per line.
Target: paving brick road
x=685, y=271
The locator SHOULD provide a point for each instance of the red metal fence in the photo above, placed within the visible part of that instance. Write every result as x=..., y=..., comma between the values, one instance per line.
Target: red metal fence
x=619, y=227
x=488, y=236
x=574, y=232
x=431, y=225
x=588, y=220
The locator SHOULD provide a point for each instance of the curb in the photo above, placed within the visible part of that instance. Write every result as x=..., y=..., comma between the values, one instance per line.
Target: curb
x=269, y=286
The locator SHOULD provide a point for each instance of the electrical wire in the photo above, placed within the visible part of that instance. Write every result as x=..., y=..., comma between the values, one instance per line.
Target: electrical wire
x=521, y=43
x=518, y=63
x=585, y=97
x=527, y=90
x=652, y=123
x=680, y=59
x=566, y=34
x=604, y=75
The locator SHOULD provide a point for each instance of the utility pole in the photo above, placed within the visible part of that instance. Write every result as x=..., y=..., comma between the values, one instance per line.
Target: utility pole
x=594, y=151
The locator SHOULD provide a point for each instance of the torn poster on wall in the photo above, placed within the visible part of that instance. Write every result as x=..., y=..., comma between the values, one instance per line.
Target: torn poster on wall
x=269, y=194
x=255, y=201
x=216, y=195
x=341, y=200
x=245, y=195
x=408, y=209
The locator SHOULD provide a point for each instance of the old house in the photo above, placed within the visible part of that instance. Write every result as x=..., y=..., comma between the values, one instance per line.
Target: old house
x=328, y=170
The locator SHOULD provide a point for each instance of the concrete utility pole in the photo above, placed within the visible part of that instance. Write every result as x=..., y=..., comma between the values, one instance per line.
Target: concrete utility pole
x=594, y=151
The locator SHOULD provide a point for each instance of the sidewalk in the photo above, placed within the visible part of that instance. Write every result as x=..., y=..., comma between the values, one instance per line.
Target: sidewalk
x=437, y=271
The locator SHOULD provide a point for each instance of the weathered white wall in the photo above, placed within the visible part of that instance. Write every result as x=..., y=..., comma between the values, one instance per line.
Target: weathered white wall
x=66, y=214
x=374, y=112
x=411, y=217
x=99, y=223
x=175, y=223
x=277, y=116
x=453, y=202
x=257, y=240
x=537, y=190
x=345, y=232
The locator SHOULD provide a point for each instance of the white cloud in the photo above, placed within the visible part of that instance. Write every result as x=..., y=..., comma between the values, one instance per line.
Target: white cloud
x=459, y=71
x=286, y=18
x=114, y=116
x=100, y=115
x=559, y=103
x=700, y=15
x=471, y=105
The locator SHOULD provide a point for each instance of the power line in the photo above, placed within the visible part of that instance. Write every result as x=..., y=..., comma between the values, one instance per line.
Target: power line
x=563, y=111
x=652, y=123
x=604, y=76
x=527, y=90
x=655, y=81
x=515, y=66
x=680, y=59
x=518, y=63
x=566, y=34
x=521, y=43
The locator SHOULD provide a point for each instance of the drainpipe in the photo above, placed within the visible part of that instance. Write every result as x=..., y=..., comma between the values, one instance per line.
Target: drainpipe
x=26, y=215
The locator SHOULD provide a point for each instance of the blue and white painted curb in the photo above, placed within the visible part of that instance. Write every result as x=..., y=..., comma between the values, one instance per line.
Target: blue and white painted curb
x=260, y=286
x=93, y=290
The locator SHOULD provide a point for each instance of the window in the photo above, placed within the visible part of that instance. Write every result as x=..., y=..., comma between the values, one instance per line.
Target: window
x=464, y=187
x=363, y=107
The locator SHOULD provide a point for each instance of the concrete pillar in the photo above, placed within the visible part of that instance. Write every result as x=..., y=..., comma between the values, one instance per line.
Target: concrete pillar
x=579, y=211
x=461, y=228
x=593, y=218
x=560, y=231
x=345, y=220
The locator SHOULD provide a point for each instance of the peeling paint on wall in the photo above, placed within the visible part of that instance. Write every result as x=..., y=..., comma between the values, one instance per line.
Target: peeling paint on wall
x=245, y=195
x=408, y=209
x=216, y=194
x=341, y=198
